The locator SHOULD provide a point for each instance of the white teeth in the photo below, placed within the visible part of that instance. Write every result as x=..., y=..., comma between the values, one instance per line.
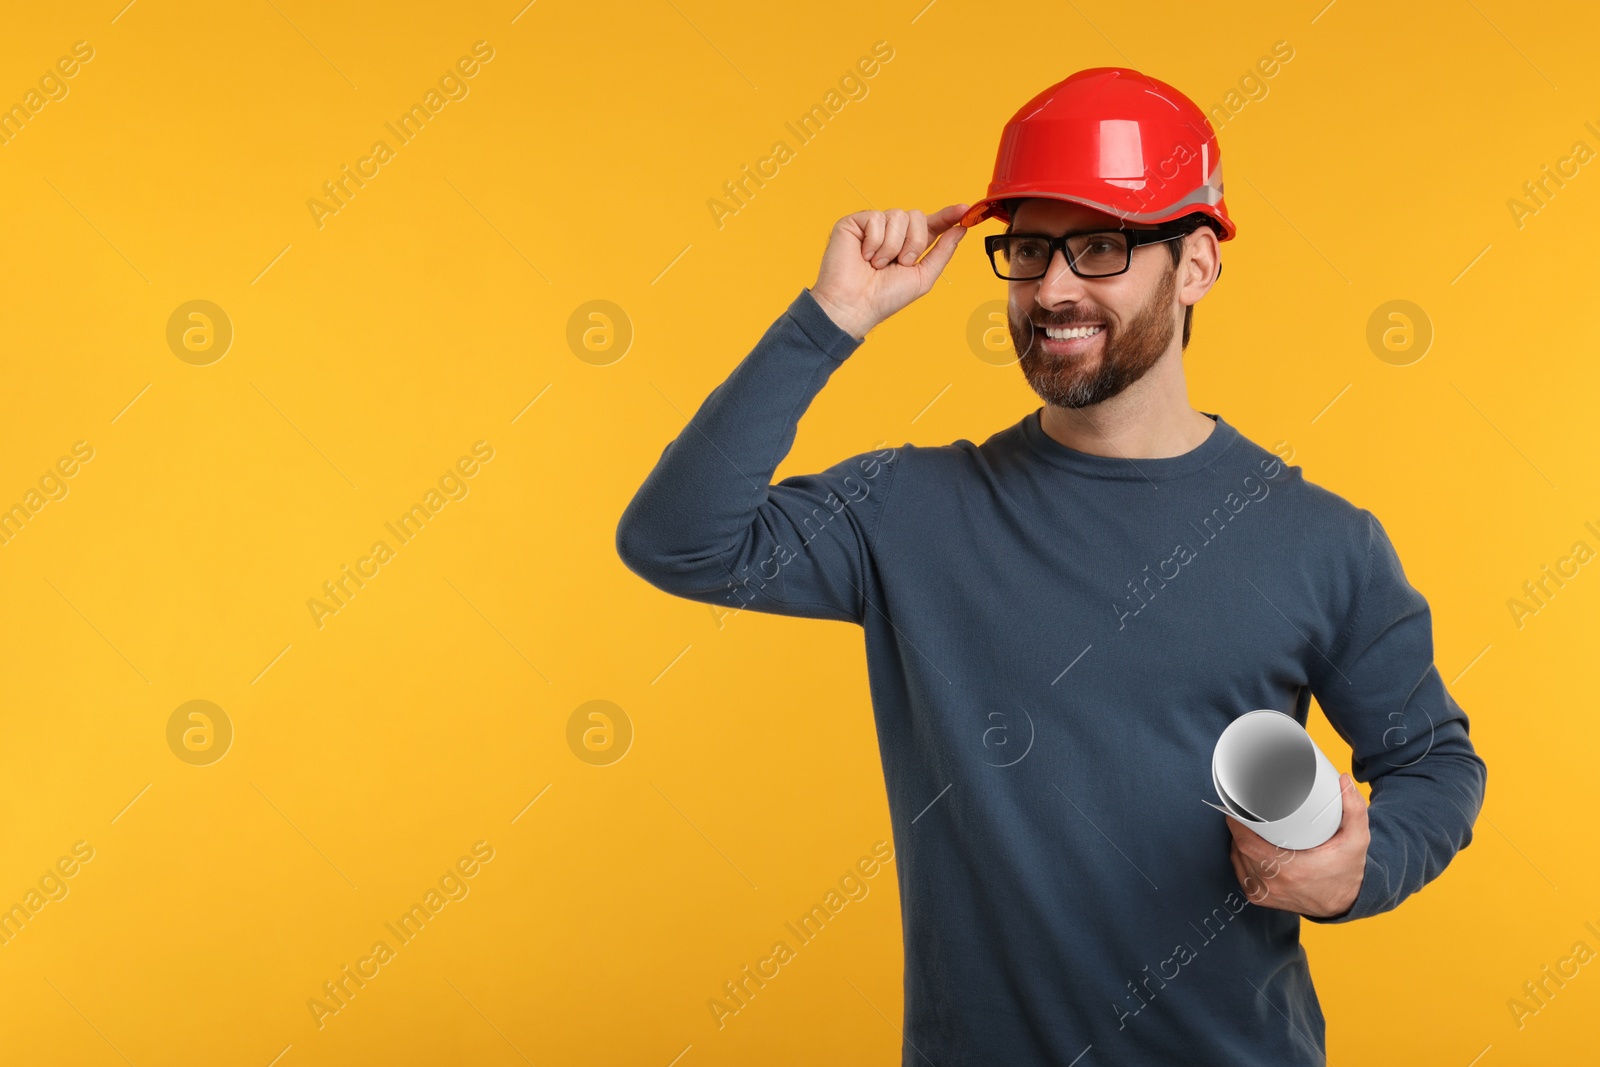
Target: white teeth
x=1061, y=334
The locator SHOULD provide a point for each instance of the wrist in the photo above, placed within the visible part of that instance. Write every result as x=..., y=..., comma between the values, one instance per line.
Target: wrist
x=850, y=322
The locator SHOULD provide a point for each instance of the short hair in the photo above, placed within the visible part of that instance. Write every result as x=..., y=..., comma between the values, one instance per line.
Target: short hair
x=1188, y=223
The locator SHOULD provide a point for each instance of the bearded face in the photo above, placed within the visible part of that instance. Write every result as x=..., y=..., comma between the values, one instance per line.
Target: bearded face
x=1074, y=372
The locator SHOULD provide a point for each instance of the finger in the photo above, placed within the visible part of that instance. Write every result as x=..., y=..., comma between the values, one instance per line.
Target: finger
x=1256, y=850
x=1273, y=864
x=1255, y=890
x=874, y=235
x=894, y=238
x=1258, y=885
x=1352, y=820
x=945, y=218
x=1251, y=842
x=1241, y=868
x=1354, y=802
x=916, y=236
x=1355, y=815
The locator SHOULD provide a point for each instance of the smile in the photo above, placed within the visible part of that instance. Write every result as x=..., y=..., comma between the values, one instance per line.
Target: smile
x=1067, y=333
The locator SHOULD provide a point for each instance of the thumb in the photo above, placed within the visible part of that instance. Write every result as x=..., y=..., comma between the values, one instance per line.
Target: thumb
x=933, y=264
x=1354, y=802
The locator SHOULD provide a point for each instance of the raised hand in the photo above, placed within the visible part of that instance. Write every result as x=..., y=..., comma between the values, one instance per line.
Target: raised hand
x=874, y=263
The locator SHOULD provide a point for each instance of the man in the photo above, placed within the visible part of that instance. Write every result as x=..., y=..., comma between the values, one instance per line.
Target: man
x=1061, y=621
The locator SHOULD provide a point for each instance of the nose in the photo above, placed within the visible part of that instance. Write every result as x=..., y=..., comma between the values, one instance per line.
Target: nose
x=1059, y=285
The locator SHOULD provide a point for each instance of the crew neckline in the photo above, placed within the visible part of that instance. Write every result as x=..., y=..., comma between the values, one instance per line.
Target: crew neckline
x=1218, y=441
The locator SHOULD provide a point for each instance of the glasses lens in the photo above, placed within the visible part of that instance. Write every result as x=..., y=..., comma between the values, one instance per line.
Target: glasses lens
x=1099, y=253
x=1022, y=257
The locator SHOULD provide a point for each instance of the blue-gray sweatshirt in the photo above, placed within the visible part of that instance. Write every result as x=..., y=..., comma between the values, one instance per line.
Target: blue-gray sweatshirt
x=1054, y=642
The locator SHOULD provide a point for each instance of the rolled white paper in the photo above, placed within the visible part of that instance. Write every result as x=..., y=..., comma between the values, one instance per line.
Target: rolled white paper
x=1272, y=777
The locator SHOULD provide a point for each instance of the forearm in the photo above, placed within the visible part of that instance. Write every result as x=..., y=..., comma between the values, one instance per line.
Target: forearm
x=1383, y=692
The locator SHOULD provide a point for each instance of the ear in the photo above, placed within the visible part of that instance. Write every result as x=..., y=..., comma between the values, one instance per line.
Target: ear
x=1200, y=266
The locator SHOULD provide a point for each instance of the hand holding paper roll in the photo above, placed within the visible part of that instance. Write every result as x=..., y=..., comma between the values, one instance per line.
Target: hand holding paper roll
x=1272, y=777
x=1281, y=793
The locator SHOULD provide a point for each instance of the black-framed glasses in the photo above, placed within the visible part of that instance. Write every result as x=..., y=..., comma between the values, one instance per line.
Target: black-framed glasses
x=1021, y=257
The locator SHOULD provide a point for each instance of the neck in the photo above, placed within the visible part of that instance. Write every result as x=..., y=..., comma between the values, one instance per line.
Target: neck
x=1151, y=419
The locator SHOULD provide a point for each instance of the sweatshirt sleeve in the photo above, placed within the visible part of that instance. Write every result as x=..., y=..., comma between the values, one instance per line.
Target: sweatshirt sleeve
x=706, y=524
x=1380, y=689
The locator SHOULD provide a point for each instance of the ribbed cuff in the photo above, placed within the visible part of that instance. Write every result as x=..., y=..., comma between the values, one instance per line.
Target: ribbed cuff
x=826, y=334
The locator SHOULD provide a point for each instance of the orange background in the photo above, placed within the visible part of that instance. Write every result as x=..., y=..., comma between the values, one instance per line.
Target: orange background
x=438, y=307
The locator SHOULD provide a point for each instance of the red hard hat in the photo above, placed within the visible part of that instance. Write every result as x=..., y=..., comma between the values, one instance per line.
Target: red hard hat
x=1115, y=140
